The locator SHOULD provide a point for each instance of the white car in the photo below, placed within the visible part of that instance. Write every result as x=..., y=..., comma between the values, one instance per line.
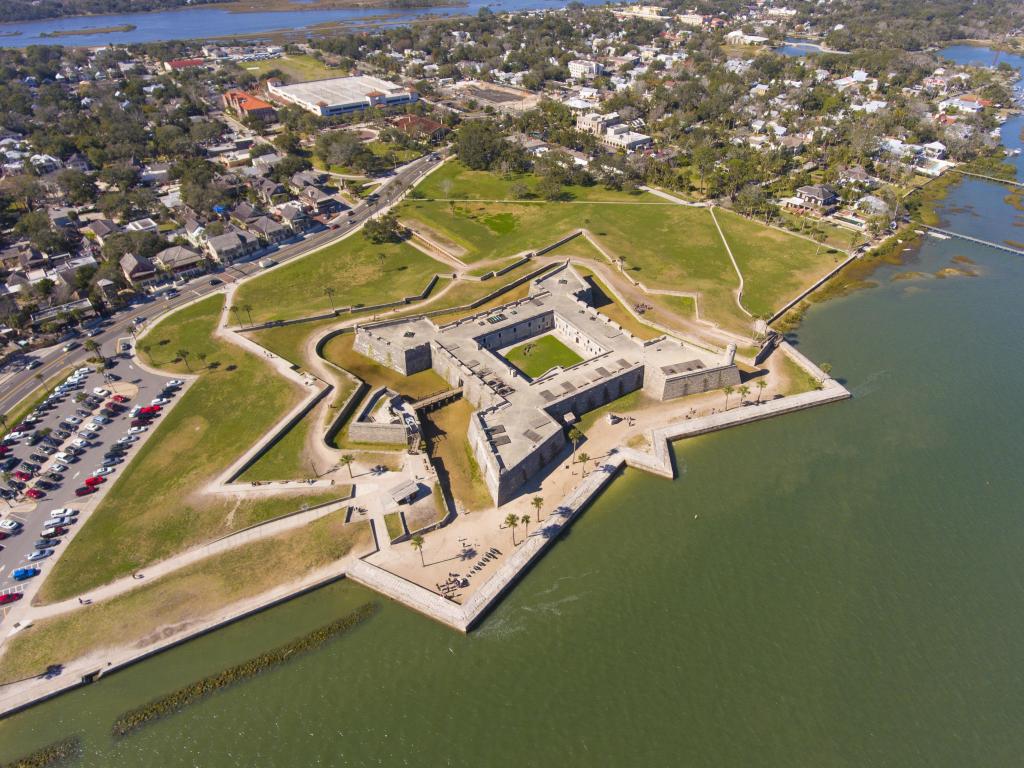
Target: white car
x=16, y=435
x=159, y=401
x=59, y=468
x=136, y=430
x=92, y=426
x=174, y=383
x=101, y=391
x=64, y=512
x=103, y=471
x=100, y=420
x=73, y=420
x=127, y=439
x=134, y=411
x=83, y=371
x=80, y=442
x=9, y=525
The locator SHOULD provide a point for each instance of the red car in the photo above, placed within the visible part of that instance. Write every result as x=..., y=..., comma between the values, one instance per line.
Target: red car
x=4, y=449
x=119, y=399
x=85, y=490
x=10, y=597
x=22, y=475
x=151, y=409
x=34, y=493
x=91, y=481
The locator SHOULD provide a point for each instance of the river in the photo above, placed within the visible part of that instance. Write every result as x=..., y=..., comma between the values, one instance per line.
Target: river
x=203, y=23
x=839, y=587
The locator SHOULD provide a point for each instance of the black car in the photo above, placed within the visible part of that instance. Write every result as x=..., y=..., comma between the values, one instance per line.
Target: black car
x=46, y=485
x=34, y=438
x=74, y=450
x=28, y=466
x=9, y=463
x=49, y=450
x=111, y=461
x=46, y=543
x=51, y=440
x=83, y=413
x=55, y=477
x=37, y=457
x=63, y=434
x=16, y=484
x=7, y=493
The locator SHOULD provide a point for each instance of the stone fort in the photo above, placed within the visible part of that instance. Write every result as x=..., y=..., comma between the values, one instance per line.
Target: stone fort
x=521, y=423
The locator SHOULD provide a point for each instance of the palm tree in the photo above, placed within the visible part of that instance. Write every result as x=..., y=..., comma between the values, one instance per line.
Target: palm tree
x=525, y=520
x=202, y=357
x=184, y=355
x=329, y=293
x=537, y=502
x=248, y=311
x=744, y=390
x=575, y=434
x=417, y=543
x=234, y=309
x=39, y=377
x=584, y=458
x=511, y=521
x=728, y=391
x=826, y=368
x=761, y=384
x=346, y=461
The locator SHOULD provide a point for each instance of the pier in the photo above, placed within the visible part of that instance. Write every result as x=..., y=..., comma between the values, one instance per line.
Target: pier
x=978, y=240
x=996, y=179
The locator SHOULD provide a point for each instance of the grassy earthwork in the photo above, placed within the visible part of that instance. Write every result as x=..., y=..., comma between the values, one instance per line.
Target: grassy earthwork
x=445, y=431
x=538, y=356
x=358, y=272
x=154, y=509
x=184, y=596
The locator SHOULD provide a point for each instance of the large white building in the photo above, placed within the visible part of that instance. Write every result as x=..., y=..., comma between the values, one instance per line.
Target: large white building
x=584, y=69
x=343, y=94
x=612, y=132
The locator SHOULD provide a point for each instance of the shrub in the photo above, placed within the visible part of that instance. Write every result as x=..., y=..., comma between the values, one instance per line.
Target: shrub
x=134, y=719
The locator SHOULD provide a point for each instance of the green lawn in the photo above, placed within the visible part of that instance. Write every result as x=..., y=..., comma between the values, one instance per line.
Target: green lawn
x=538, y=356
x=358, y=271
x=299, y=69
x=153, y=510
x=775, y=264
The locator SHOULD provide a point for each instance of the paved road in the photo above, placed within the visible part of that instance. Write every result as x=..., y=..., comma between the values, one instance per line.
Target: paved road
x=32, y=515
x=22, y=383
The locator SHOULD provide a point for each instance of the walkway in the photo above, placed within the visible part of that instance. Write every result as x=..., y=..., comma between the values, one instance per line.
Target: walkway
x=978, y=240
x=1011, y=182
x=739, y=291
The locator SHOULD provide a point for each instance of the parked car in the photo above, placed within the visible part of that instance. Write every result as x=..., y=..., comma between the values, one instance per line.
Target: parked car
x=61, y=468
x=100, y=391
x=64, y=512
x=59, y=522
x=160, y=401
x=119, y=399
x=39, y=554
x=53, y=532
x=46, y=543
x=93, y=481
x=111, y=461
x=127, y=439
x=22, y=475
x=20, y=574
x=73, y=420
x=174, y=383
x=10, y=525
x=63, y=434
x=101, y=420
x=30, y=466
x=45, y=485
x=37, y=457
x=104, y=471
x=85, y=490
x=138, y=425
x=10, y=597
x=35, y=493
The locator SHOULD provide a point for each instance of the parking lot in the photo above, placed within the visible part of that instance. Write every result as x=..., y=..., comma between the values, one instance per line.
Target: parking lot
x=71, y=454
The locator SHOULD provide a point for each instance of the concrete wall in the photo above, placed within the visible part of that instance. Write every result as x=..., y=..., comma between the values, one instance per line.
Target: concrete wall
x=363, y=430
x=663, y=387
x=513, y=334
x=504, y=482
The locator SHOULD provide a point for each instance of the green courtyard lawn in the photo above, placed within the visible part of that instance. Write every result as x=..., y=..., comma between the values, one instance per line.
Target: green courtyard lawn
x=775, y=264
x=195, y=591
x=538, y=356
x=153, y=509
x=359, y=272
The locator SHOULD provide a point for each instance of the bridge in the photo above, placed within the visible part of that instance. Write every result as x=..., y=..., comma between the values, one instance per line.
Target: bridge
x=437, y=399
x=978, y=240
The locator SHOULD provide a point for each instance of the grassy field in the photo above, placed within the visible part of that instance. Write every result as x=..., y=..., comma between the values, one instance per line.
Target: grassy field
x=193, y=592
x=445, y=431
x=152, y=510
x=298, y=69
x=540, y=355
x=358, y=271
x=286, y=459
x=394, y=524
x=775, y=265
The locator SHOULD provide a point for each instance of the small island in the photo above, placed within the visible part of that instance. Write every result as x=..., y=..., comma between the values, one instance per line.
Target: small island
x=90, y=31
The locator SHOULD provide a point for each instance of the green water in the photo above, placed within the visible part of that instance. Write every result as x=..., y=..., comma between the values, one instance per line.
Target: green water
x=841, y=587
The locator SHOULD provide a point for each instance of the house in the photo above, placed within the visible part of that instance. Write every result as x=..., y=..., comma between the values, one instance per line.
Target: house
x=195, y=232
x=101, y=229
x=233, y=245
x=856, y=176
x=142, y=225
x=969, y=104
x=317, y=201
x=138, y=270
x=817, y=196
x=612, y=132
x=155, y=174
x=873, y=205
x=176, y=65
x=246, y=105
x=585, y=69
x=308, y=178
x=181, y=261
x=77, y=163
x=294, y=217
x=269, y=231
x=268, y=190
x=739, y=37
x=245, y=212
x=420, y=128
x=935, y=150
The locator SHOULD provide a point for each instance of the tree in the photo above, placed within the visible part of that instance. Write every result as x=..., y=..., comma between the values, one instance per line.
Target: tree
x=417, y=543
x=511, y=521
x=77, y=186
x=234, y=308
x=184, y=355
x=202, y=358
x=384, y=229
x=329, y=293
x=575, y=435
x=479, y=144
x=728, y=391
x=537, y=502
x=525, y=520
x=248, y=311
x=760, y=384
x=584, y=458
x=744, y=390
x=346, y=461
